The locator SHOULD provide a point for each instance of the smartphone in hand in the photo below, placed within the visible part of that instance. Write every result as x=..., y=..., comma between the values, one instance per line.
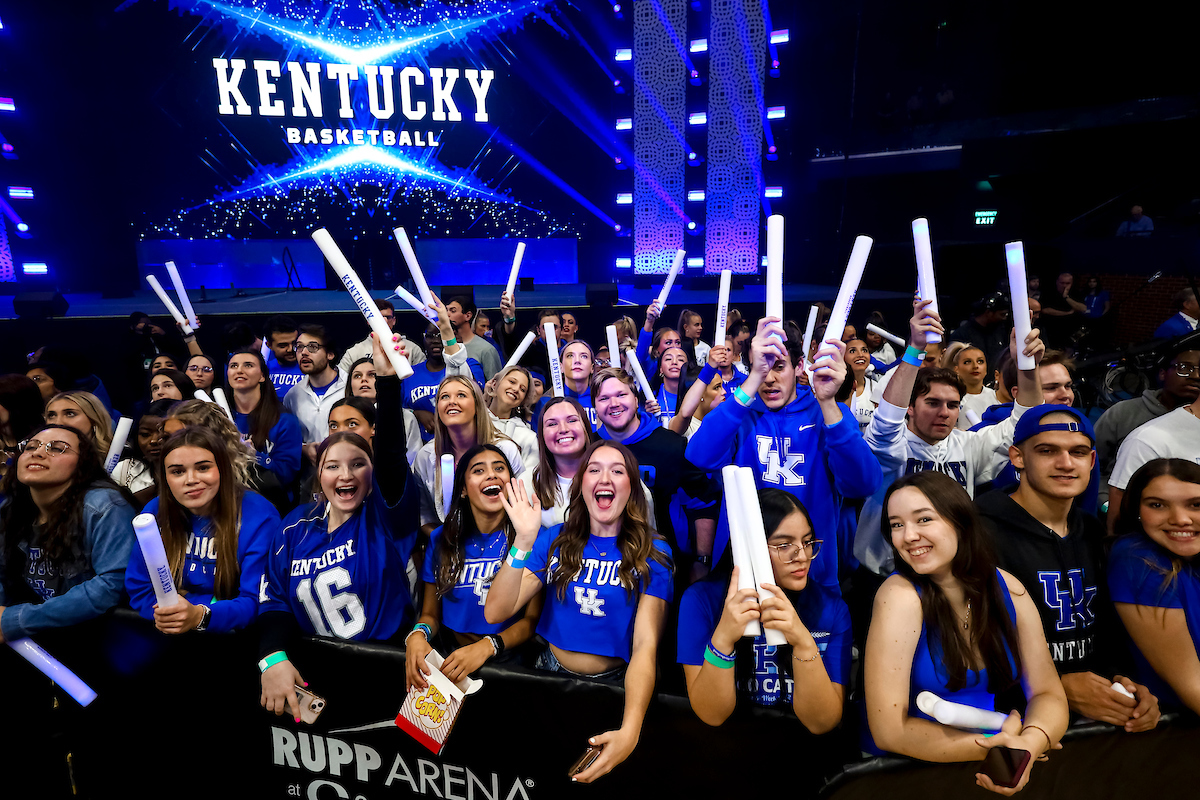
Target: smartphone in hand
x=586, y=760
x=1005, y=765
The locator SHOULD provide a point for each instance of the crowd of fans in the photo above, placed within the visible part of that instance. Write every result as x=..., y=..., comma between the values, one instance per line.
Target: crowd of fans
x=938, y=519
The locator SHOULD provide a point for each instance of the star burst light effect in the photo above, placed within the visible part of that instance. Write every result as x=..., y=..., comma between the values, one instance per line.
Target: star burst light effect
x=363, y=31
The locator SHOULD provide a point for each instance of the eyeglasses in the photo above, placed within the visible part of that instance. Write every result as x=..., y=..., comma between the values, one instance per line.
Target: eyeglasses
x=198, y=368
x=790, y=551
x=55, y=448
x=1187, y=370
x=311, y=347
x=41, y=378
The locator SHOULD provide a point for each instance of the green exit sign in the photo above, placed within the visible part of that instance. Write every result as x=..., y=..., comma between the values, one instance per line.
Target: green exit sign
x=985, y=217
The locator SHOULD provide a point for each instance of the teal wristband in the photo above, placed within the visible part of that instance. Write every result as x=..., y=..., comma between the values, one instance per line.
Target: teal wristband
x=450, y=342
x=740, y=395
x=716, y=660
x=913, y=356
x=272, y=660
x=520, y=555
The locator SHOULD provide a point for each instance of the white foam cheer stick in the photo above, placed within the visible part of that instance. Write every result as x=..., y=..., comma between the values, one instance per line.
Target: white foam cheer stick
x=775, y=266
x=891, y=337
x=809, y=328
x=171, y=307
x=973, y=417
x=188, y=311
x=53, y=669
x=614, y=349
x=926, y=286
x=520, y=351
x=845, y=299
x=1120, y=689
x=205, y=396
x=640, y=375
x=756, y=539
x=422, y=309
x=410, y=257
x=737, y=540
x=1018, y=290
x=223, y=402
x=957, y=715
x=676, y=265
x=516, y=267
x=124, y=425
x=145, y=527
x=722, y=309
x=447, y=483
x=555, y=366
x=362, y=298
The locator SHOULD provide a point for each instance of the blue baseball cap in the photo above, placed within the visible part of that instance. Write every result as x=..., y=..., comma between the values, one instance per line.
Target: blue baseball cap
x=538, y=373
x=1030, y=423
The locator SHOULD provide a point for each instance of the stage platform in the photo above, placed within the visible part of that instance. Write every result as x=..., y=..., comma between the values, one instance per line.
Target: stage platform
x=301, y=302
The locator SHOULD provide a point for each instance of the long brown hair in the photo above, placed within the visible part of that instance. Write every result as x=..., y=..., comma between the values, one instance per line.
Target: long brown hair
x=545, y=474
x=991, y=631
x=174, y=521
x=63, y=534
x=267, y=412
x=1130, y=520
x=635, y=539
x=460, y=523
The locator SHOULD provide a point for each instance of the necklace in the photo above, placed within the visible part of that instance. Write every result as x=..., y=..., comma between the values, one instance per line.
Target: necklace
x=967, y=617
x=603, y=553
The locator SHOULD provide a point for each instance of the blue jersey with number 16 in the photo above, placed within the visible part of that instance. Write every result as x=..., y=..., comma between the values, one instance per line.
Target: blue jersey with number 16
x=348, y=584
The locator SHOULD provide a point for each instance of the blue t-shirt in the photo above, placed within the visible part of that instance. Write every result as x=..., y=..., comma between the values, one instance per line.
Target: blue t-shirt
x=283, y=378
x=666, y=401
x=260, y=520
x=462, y=607
x=351, y=583
x=1095, y=303
x=737, y=380
x=763, y=671
x=596, y=613
x=1137, y=573
x=284, y=444
x=584, y=399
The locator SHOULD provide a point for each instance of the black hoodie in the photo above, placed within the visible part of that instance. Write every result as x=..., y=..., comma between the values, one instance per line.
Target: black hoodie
x=1065, y=576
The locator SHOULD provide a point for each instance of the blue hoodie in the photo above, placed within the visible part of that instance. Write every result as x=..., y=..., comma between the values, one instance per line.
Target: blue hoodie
x=283, y=446
x=794, y=450
x=76, y=592
x=665, y=469
x=259, y=522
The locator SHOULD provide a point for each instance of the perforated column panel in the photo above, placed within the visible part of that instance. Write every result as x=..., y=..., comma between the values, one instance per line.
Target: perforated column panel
x=7, y=271
x=658, y=123
x=737, y=47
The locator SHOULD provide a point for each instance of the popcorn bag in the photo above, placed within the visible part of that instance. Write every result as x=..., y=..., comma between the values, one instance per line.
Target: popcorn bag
x=428, y=714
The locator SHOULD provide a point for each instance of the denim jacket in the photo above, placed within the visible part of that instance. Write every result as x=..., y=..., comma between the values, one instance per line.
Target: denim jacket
x=89, y=585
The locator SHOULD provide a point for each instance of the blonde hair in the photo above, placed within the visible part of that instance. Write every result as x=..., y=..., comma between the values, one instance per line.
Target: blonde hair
x=485, y=431
x=197, y=413
x=94, y=410
x=953, y=351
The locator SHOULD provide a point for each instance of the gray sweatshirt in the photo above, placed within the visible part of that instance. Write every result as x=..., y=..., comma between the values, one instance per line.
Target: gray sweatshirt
x=1118, y=422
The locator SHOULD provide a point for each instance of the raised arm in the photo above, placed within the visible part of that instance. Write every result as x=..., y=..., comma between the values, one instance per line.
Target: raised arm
x=390, y=445
x=514, y=586
x=924, y=321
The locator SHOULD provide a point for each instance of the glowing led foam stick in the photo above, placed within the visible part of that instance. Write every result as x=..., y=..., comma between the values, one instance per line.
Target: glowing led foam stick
x=447, y=483
x=676, y=266
x=145, y=527
x=1018, y=290
x=422, y=309
x=205, y=396
x=640, y=375
x=223, y=402
x=171, y=307
x=957, y=715
x=521, y=348
x=555, y=366
x=809, y=328
x=614, y=349
x=775, y=266
x=516, y=267
x=53, y=669
x=891, y=337
x=188, y=311
x=737, y=540
x=845, y=298
x=124, y=425
x=926, y=286
x=722, y=308
x=360, y=295
x=756, y=541
x=410, y=257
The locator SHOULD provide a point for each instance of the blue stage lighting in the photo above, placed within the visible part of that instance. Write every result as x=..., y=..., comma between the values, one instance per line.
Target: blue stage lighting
x=35, y=268
x=625, y=124
x=695, y=195
x=625, y=198
x=691, y=225
x=623, y=54
x=776, y=112
x=698, y=46
x=774, y=191
x=22, y=227
x=623, y=263
x=696, y=261
x=779, y=37
x=7, y=104
x=697, y=118
x=20, y=192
